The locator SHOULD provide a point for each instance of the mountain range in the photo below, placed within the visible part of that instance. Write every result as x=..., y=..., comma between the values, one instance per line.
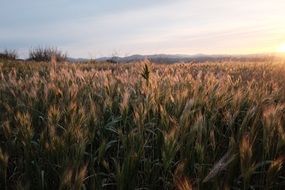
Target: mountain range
x=174, y=58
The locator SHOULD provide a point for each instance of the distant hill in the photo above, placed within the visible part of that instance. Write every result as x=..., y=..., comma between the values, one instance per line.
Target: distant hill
x=169, y=58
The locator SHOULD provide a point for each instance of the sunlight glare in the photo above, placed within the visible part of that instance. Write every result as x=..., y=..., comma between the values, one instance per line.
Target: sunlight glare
x=281, y=48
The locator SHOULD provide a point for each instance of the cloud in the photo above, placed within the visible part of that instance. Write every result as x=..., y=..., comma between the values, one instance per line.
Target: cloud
x=149, y=26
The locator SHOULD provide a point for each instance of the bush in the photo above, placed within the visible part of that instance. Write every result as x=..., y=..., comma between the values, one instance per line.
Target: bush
x=8, y=55
x=45, y=54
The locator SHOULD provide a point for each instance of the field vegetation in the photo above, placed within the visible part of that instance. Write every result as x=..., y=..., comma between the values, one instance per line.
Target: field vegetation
x=8, y=55
x=142, y=125
x=41, y=54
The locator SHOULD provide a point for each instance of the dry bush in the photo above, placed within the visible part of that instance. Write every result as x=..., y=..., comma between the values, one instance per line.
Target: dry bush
x=46, y=54
x=8, y=55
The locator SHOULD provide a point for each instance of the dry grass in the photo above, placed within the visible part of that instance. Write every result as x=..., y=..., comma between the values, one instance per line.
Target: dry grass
x=142, y=126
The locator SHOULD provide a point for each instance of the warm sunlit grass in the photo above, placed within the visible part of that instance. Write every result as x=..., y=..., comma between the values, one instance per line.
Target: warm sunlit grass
x=142, y=126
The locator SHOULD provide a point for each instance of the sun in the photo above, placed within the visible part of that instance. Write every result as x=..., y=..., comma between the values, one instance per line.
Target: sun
x=281, y=48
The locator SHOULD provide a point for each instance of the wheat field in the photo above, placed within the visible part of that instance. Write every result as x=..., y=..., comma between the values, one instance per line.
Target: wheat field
x=142, y=125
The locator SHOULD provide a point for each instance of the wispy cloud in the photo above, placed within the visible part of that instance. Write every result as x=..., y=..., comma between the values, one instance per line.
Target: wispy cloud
x=101, y=27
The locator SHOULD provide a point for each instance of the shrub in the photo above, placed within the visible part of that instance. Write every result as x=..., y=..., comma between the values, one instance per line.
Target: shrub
x=45, y=54
x=8, y=55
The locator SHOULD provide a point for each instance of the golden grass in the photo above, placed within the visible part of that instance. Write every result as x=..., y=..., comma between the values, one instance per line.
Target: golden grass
x=142, y=126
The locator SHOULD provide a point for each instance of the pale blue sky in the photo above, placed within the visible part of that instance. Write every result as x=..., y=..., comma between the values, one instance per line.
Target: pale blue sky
x=94, y=28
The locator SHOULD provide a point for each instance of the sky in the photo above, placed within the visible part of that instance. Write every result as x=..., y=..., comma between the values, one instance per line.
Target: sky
x=96, y=28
